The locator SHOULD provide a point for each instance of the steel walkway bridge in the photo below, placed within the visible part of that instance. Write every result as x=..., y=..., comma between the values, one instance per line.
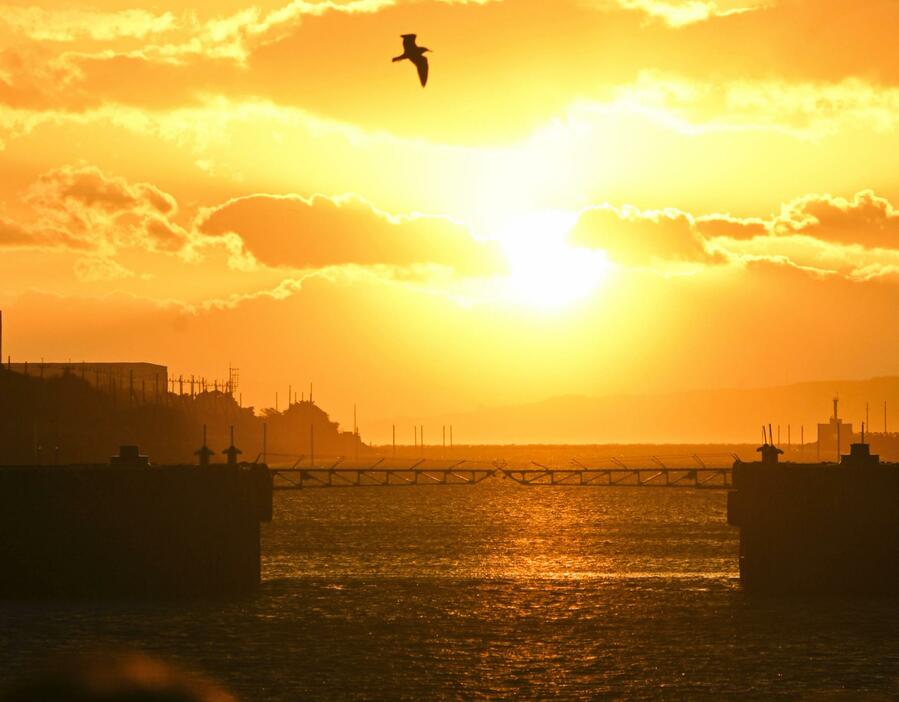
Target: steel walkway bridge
x=697, y=471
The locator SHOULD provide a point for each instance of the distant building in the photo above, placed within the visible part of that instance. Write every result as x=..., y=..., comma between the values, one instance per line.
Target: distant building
x=145, y=378
x=836, y=435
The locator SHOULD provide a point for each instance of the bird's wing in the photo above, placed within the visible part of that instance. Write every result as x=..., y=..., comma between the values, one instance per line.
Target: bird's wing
x=409, y=42
x=421, y=63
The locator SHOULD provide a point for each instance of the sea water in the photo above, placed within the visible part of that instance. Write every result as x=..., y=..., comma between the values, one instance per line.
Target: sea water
x=494, y=591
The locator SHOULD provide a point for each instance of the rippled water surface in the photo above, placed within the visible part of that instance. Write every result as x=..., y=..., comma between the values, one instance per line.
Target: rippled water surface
x=496, y=592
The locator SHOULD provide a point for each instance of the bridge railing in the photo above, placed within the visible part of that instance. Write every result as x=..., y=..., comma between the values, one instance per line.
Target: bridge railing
x=382, y=473
x=708, y=471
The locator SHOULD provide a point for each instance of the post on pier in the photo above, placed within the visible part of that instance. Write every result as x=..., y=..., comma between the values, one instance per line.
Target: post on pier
x=232, y=452
x=204, y=453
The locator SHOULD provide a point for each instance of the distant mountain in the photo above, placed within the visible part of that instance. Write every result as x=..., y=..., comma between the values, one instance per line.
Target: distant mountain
x=697, y=416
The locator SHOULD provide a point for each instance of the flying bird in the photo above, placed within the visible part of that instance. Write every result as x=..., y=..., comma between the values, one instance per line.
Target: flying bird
x=416, y=54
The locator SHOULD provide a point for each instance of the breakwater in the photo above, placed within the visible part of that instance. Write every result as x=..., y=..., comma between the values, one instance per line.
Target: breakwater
x=141, y=531
x=817, y=528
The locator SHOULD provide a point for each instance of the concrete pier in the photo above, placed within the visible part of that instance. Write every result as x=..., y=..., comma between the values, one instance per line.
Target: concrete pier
x=818, y=528
x=131, y=530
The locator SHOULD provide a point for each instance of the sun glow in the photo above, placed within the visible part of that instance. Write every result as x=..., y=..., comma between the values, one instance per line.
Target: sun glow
x=545, y=270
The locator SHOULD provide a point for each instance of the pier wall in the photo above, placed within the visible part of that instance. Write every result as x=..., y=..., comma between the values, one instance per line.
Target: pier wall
x=817, y=528
x=143, y=532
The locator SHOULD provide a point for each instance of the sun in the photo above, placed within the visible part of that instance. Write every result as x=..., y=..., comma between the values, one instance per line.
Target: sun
x=545, y=270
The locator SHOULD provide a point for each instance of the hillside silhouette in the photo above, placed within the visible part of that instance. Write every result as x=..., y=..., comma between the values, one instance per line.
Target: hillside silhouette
x=65, y=420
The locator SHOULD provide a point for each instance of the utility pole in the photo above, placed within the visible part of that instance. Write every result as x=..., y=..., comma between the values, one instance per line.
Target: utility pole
x=394, y=440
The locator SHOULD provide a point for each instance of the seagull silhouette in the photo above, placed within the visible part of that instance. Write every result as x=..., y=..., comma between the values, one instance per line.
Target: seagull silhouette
x=416, y=54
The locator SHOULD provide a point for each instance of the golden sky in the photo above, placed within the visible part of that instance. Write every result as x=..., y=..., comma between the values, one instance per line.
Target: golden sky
x=589, y=197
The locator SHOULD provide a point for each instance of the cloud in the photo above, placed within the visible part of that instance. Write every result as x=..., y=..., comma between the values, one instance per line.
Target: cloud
x=133, y=234
x=292, y=231
x=678, y=13
x=106, y=211
x=91, y=188
x=91, y=269
x=67, y=25
x=276, y=55
x=258, y=54
x=725, y=225
x=635, y=237
x=865, y=219
x=99, y=218
x=857, y=237
x=170, y=34
x=15, y=235
x=804, y=109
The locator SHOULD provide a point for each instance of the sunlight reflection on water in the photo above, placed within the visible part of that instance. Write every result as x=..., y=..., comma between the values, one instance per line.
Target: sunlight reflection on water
x=495, y=592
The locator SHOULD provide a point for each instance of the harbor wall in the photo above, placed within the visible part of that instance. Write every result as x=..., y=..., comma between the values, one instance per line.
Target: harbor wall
x=142, y=532
x=817, y=528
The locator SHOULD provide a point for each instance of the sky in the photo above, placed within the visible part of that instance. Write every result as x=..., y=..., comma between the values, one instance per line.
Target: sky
x=589, y=197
